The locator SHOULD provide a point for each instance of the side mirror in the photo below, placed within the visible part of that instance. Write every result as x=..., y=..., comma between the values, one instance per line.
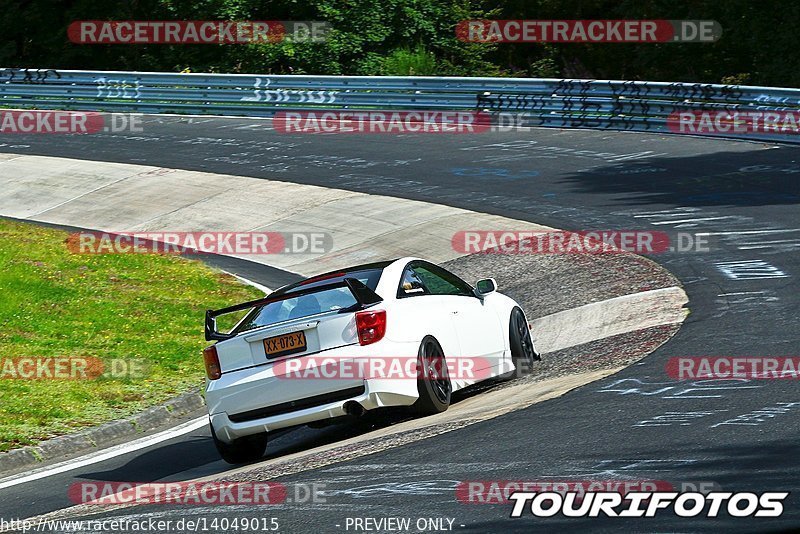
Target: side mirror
x=485, y=286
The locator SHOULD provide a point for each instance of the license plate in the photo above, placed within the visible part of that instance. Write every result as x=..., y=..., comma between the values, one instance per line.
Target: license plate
x=285, y=344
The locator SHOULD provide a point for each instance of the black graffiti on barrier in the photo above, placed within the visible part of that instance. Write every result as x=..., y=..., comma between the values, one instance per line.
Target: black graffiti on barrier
x=28, y=75
x=628, y=105
x=573, y=87
x=512, y=102
x=702, y=91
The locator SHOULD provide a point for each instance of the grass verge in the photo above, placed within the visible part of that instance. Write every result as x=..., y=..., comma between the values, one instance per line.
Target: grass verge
x=122, y=309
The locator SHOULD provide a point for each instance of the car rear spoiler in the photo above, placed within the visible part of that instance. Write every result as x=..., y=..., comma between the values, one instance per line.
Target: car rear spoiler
x=364, y=297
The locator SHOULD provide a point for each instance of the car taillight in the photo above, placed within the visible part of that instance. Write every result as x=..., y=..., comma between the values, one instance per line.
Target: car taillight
x=210, y=356
x=371, y=326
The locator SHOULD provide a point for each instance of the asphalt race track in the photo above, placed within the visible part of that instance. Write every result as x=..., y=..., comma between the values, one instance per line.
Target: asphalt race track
x=636, y=425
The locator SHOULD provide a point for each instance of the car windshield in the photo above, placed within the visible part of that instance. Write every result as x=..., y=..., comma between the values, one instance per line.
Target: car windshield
x=327, y=299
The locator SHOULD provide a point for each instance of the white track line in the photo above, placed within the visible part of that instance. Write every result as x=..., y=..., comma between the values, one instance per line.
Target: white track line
x=105, y=454
x=264, y=289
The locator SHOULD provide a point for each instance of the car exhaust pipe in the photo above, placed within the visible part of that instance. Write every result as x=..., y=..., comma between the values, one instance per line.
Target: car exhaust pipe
x=353, y=408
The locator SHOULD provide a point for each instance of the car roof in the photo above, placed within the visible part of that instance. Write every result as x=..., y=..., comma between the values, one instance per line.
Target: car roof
x=338, y=273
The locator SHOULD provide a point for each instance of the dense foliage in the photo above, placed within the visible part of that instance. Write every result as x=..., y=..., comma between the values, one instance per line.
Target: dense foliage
x=401, y=37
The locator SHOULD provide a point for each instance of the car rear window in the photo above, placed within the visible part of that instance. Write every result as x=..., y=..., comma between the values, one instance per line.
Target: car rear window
x=298, y=307
x=306, y=305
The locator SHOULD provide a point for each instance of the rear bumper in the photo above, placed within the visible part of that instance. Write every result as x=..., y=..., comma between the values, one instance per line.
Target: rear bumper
x=254, y=400
x=228, y=430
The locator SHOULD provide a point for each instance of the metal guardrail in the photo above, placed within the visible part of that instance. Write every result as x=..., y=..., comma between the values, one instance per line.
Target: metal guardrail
x=599, y=104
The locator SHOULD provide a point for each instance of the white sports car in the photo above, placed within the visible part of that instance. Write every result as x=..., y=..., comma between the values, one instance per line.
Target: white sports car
x=395, y=333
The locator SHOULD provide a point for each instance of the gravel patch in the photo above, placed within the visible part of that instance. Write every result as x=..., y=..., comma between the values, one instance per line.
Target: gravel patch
x=549, y=283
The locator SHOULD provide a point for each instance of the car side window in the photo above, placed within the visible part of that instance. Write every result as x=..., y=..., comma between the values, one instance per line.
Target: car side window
x=441, y=282
x=411, y=285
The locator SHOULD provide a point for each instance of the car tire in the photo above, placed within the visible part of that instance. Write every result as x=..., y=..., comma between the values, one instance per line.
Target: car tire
x=523, y=351
x=433, y=380
x=242, y=450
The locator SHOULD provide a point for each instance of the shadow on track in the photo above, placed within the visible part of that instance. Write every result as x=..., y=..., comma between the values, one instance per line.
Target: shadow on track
x=753, y=178
x=196, y=455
